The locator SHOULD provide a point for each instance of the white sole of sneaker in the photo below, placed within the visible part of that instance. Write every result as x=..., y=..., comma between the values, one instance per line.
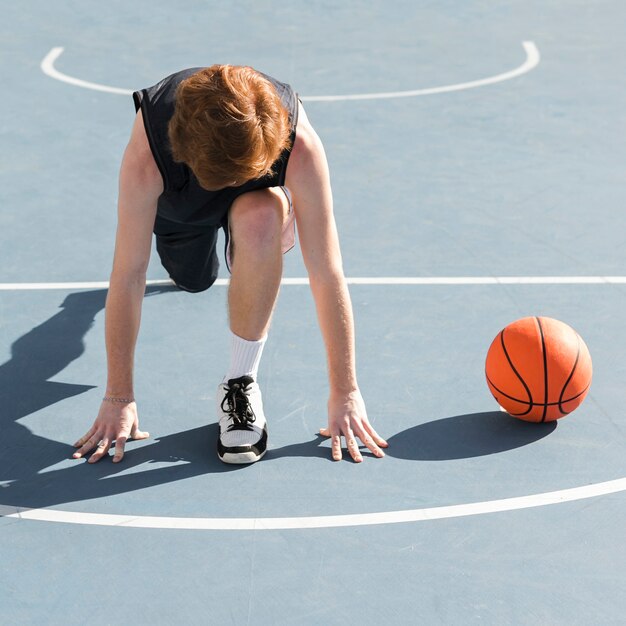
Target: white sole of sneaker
x=241, y=458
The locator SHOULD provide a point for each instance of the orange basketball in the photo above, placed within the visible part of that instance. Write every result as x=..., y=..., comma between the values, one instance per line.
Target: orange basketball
x=538, y=369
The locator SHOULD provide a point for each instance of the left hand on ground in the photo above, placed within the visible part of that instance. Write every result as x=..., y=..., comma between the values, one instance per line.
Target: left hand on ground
x=347, y=417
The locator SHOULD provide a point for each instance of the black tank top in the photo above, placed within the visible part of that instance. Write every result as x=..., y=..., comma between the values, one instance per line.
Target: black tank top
x=184, y=201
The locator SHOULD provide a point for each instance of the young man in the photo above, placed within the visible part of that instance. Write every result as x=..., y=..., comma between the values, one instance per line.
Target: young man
x=227, y=147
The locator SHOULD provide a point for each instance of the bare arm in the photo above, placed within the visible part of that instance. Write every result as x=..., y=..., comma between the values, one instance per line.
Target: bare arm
x=139, y=188
x=309, y=180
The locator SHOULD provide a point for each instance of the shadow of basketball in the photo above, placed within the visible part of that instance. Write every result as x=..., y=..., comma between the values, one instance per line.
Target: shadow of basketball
x=465, y=436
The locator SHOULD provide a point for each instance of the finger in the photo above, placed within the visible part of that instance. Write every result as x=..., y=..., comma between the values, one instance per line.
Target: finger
x=85, y=437
x=375, y=436
x=369, y=443
x=324, y=432
x=101, y=450
x=91, y=443
x=120, y=442
x=352, y=446
x=135, y=433
x=336, y=447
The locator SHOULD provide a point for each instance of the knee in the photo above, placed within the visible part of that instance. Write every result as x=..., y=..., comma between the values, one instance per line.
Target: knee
x=256, y=219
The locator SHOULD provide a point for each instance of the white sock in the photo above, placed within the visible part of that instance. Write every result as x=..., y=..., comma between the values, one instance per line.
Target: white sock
x=245, y=357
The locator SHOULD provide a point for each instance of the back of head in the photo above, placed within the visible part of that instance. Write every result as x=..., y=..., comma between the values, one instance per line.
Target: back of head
x=229, y=126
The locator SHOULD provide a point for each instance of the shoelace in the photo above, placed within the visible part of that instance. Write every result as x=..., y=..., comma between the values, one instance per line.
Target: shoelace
x=238, y=407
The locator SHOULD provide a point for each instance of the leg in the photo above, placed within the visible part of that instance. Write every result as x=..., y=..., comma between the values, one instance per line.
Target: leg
x=256, y=224
x=256, y=221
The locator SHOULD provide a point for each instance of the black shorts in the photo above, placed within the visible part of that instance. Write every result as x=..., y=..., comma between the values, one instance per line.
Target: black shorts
x=189, y=257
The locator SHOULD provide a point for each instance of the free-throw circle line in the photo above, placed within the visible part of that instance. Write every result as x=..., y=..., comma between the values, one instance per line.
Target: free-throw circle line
x=531, y=61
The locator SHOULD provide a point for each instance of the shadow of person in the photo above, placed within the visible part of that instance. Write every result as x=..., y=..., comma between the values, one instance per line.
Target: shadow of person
x=180, y=455
x=36, y=471
x=465, y=436
x=25, y=388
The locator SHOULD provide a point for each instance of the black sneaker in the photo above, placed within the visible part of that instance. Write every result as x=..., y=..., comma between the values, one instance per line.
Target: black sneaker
x=243, y=428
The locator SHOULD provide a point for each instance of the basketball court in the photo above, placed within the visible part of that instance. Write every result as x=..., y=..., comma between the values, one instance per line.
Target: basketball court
x=476, y=153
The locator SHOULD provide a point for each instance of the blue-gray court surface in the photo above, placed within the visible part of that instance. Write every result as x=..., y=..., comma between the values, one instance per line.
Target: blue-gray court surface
x=477, y=157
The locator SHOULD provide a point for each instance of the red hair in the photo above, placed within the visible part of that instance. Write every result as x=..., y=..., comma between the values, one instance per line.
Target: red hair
x=229, y=126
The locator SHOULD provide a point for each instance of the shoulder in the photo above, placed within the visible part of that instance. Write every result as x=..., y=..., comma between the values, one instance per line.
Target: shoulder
x=307, y=146
x=138, y=158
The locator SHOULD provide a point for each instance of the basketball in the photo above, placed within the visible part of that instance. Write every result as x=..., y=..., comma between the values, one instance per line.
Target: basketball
x=538, y=369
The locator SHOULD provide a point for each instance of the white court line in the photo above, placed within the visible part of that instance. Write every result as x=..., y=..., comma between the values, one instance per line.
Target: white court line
x=532, y=60
x=319, y=521
x=380, y=280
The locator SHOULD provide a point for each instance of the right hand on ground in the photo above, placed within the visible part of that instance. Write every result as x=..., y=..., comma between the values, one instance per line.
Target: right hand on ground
x=115, y=423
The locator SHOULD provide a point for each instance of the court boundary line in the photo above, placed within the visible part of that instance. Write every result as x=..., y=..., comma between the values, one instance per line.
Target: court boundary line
x=372, y=280
x=319, y=521
x=532, y=60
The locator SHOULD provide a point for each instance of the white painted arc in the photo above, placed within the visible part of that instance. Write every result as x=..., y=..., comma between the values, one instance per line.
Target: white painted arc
x=374, y=280
x=47, y=67
x=532, y=60
x=320, y=521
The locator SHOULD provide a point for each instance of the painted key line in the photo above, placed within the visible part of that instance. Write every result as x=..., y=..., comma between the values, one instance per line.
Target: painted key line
x=532, y=60
x=372, y=280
